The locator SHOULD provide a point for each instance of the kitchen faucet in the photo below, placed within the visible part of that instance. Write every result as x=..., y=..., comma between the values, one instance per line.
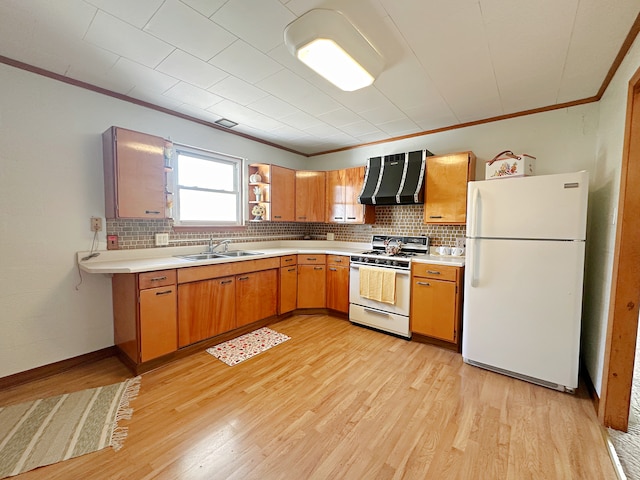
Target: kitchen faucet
x=212, y=247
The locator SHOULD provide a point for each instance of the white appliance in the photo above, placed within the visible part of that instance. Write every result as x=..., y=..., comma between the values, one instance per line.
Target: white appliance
x=390, y=318
x=524, y=274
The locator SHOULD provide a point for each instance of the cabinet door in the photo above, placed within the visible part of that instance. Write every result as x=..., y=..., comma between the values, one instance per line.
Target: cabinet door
x=288, y=289
x=158, y=325
x=312, y=286
x=138, y=175
x=356, y=212
x=256, y=296
x=205, y=309
x=446, y=188
x=310, y=196
x=338, y=288
x=283, y=199
x=433, y=308
x=335, y=196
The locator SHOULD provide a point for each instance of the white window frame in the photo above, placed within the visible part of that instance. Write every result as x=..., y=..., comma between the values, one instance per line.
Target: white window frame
x=237, y=162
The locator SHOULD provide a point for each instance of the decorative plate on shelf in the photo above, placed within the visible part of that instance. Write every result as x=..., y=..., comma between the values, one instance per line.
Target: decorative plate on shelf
x=258, y=211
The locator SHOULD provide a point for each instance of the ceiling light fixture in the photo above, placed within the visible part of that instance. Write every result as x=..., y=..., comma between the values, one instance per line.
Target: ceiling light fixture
x=328, y=43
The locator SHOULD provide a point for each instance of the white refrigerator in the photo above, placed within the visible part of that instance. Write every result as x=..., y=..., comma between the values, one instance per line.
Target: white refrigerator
x=524, y=276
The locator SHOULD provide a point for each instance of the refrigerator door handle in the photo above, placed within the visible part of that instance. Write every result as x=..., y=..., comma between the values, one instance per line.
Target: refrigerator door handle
x=473, y=213
x=472, y=257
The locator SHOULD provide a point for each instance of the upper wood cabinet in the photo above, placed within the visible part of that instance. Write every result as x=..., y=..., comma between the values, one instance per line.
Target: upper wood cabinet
x=283, y=194
x=310, y=196
x=343, y=189
x=446, y=188
x=134, y=174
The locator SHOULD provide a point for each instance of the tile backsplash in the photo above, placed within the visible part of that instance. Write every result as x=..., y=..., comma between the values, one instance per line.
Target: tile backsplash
x=393, y=220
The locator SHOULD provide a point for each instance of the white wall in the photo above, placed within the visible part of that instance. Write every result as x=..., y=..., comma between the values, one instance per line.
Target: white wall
x=51, y=182
x=602, y=214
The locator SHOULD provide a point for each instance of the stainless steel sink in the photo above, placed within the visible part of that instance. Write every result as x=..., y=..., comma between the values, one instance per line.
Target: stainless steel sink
x=200, y=256
x=239, y=253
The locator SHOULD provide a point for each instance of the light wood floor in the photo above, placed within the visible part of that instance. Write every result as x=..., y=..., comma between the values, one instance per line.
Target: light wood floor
x=336, y=402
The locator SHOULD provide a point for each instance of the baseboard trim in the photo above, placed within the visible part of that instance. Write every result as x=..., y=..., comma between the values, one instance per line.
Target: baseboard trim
x=57, y=367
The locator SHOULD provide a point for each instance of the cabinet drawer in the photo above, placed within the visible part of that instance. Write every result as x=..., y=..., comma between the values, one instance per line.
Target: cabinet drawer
x=440, y=272
x=339, y=260
x=288, y=260
x=156, y=279
x=312, y=259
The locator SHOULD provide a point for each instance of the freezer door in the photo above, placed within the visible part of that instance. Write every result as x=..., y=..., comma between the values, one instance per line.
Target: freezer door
x=522, y=307
x=543, y=207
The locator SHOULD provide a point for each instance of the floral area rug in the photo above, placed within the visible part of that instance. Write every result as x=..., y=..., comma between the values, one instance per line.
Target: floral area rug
x=240, y=349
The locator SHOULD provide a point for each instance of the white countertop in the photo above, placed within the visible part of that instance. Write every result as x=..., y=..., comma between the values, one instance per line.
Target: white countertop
x=150, y=259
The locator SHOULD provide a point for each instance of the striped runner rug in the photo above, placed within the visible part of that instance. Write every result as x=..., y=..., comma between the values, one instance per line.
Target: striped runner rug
x=49, y=430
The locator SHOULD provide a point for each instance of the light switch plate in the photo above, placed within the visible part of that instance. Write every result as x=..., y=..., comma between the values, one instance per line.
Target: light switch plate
x=460, y=242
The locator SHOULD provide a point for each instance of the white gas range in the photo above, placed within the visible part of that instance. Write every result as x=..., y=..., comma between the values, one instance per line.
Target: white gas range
x=388, y=317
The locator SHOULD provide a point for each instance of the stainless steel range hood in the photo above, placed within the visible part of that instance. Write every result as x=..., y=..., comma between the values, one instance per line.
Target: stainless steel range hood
x=395, y=179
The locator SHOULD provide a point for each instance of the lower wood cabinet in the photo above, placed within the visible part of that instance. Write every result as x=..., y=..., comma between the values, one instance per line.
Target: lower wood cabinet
x=338, y=283
x=312, y=281
x=144, y=314
x=288, y=284
x=256, y=296
x=206, y=309
x=436, y=301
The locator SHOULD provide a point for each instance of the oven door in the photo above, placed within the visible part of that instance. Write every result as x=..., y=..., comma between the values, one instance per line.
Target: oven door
x=403, y=286
x=383, y=316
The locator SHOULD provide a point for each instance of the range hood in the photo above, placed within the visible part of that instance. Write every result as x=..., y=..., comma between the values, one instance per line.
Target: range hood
x=395, y=179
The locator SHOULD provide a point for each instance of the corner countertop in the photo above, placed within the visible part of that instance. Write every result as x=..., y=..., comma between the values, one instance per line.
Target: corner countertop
x=151, y=259
x=453, y=260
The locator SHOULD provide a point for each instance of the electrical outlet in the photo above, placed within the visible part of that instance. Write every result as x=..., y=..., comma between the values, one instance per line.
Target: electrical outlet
x=112, y=242
x=162, y=239
x=96, y=224
x=460, y=242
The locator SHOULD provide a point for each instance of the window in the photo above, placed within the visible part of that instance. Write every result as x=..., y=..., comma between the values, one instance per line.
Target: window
x=208, y=188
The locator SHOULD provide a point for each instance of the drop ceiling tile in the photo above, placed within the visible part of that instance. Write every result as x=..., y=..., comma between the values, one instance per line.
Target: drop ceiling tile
x=198, y=112
x=243, y=61
x=136, y=13
x=237, y=90
x=86, y=57
x=360, y=128
x=143, y=77
x=288, y=86
x=323, y=130
x=160, y=100
x=205, y=7
x=192, y=95
x=428, y=119
x=180, y=25
x=121, y=38
x=241, y=114
x=396, y=128
x=191, y=69
x=300, y=120
x=340, y=117
x=582, y=76
x=372, y=137
x=273, y=107
x=318, y=103
x=383, y=114
x=260, y=23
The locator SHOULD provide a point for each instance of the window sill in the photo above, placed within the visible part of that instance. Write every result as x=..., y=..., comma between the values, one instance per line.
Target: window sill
x=207, y=228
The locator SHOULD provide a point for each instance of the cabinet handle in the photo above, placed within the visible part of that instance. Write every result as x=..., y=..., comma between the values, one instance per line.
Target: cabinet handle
x=435, y=216
x=351, y=218
x=242, y=279
x=424, y=284
x=376, y=312
x=277, y=216
x=337, y=260
x=337, y=218
x=152, y=212
x=166, y=292
x=226, y=282
x=158, y=279
x=333, y=269
x=302, y=218
x=288, y=259
x=318, y=268
x=292, y=269
x=311, y=259
x=433, y=272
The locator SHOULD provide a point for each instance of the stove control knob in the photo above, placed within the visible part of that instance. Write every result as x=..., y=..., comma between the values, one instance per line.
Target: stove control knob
x=377, y=260
x=395, y=263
